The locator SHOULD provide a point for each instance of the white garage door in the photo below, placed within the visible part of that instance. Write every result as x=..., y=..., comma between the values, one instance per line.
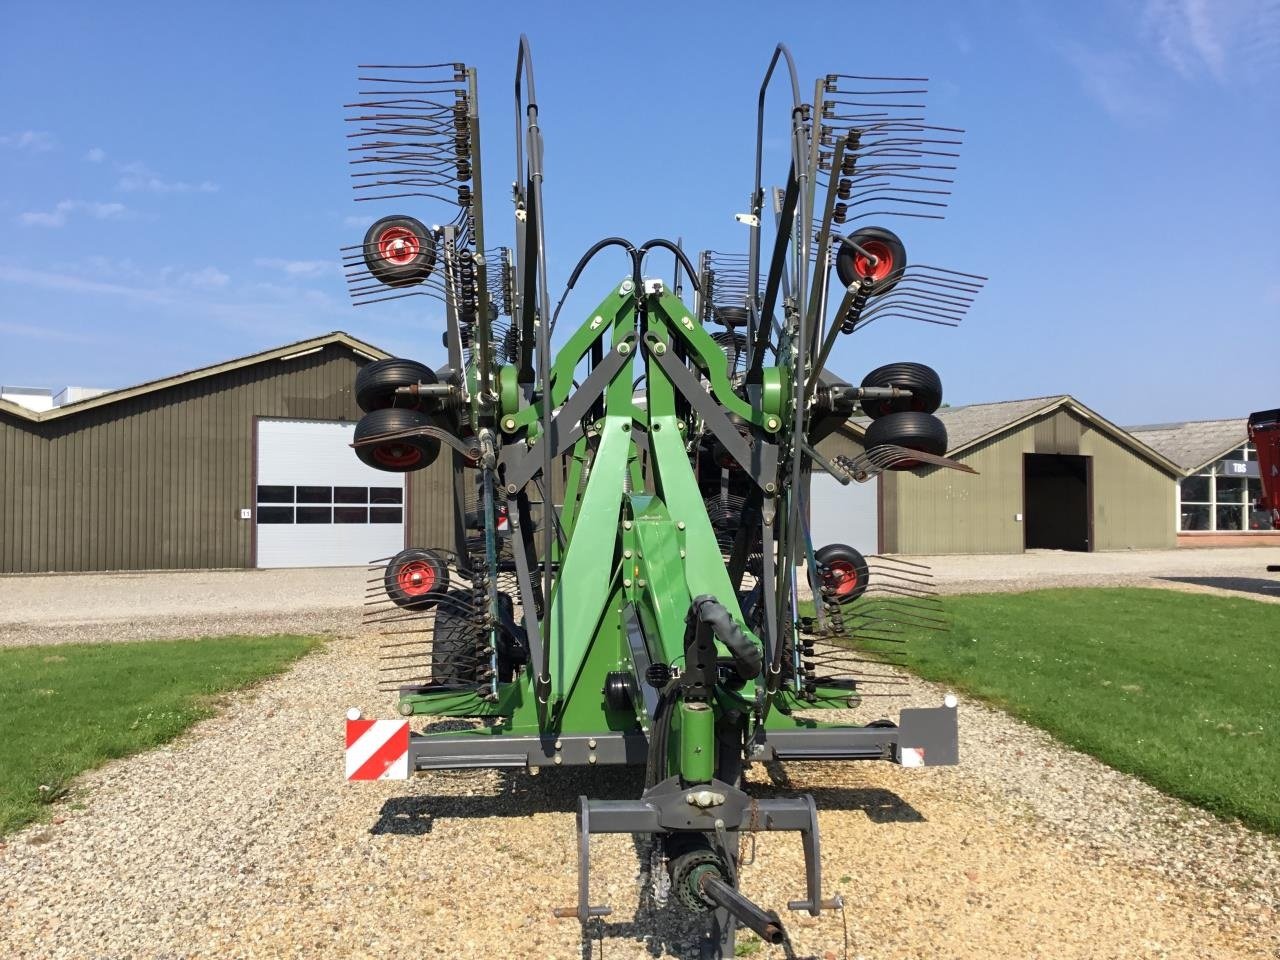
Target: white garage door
x=839, y=514
x=319, y=506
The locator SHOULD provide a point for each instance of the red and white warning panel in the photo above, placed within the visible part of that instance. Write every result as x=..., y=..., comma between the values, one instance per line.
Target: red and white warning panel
x=377, y=749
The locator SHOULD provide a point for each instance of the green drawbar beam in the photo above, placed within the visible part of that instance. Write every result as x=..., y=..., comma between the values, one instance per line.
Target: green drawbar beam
x=697, y=742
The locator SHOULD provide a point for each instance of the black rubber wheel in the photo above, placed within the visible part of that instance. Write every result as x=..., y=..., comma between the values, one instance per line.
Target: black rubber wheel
x=923, y=382
x=416, y=578
x=844, y=572
x=890, y=254
x=455, y=640
x=732, y=316
x=399, y=455
x=915, y=431
x=377, y=382
x=399, y=251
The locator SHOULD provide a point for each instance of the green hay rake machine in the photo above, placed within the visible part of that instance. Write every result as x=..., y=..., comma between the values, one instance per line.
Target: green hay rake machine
x=625, y=580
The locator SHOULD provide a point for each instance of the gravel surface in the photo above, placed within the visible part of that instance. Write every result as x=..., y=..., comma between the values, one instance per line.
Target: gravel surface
x=242, y=840
x=93, y=608
x=62, y=608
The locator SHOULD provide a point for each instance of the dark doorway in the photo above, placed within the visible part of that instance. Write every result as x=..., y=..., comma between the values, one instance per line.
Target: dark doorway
x=1056, y=501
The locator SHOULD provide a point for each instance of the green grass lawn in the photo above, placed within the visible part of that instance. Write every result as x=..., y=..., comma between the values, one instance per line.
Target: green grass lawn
x=1182, y=690
x=67, y=708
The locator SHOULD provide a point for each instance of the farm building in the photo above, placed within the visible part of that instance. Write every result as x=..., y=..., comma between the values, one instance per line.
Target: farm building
x=241, y=464
x=248, y=463
x=1220, y=486
x=1051, y=474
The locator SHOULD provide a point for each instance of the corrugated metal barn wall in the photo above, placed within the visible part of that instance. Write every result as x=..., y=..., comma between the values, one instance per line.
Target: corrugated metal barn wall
x=157, y=481
x=944, y=511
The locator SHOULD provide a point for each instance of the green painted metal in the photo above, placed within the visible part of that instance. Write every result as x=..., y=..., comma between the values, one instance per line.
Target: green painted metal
x=637, y=537
x=508, y=395
x=697, y=743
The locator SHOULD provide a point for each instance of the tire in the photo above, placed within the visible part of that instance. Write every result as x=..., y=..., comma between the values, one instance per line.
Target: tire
x=732, y=316
x=852, y=266
x=377, y=382
x=845, y=579
x=416, y=578
x=454, y=640
x=400, y=455
x=915, y=431
x=734, y=346
x=399, y=251
x=923, y=382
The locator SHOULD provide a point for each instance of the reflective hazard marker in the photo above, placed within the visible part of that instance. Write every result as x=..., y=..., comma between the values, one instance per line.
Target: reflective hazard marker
x=377, y=749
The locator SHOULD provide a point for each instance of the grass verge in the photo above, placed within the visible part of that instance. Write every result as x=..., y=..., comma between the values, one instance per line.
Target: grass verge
x=1178, y=689
x=71, y=707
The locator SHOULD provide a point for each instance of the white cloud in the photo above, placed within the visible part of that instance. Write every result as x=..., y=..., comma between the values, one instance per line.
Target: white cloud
x=37, y=141
x=1220, y=37
x=1186, y=34
x=137, y=177
x=297, y=268
x=71, y=283
x=62, y=210
x=31, y=332
x=207, y=278
x=1115, y=81
x=286, y=312
x=96, y=155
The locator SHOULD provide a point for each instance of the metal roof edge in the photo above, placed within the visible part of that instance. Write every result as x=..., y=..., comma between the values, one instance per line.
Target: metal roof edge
x=1217, y=456
x=151, y=386
x=1091, y=416
x=1053, y=403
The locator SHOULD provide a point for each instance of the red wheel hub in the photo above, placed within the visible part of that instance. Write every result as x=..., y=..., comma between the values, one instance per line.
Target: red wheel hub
x=884, y=260
x=396, y=454
x=399, y=246
x=416, y=578
x=842, y=577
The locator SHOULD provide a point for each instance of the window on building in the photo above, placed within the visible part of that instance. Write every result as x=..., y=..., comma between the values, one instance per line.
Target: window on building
x=1221, y=496
x=280, y=504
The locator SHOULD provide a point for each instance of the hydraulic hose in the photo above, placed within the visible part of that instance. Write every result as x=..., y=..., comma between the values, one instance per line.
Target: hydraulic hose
x=747, y=659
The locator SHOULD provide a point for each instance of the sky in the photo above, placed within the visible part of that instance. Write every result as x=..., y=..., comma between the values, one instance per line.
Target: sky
x=174, y=188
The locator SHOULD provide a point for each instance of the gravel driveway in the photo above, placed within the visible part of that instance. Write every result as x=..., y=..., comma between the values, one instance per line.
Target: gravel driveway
x=241, y=839
x=60, y=608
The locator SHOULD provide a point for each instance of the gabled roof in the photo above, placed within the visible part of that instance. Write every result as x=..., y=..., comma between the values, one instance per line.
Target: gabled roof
x=288, y=351
x=1195, y=443
x=976, y=423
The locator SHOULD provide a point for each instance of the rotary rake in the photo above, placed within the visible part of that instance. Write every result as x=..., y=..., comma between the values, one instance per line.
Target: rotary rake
x=625, y=580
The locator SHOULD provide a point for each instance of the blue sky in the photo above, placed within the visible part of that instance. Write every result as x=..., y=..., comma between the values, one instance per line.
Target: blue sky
x=174, y=191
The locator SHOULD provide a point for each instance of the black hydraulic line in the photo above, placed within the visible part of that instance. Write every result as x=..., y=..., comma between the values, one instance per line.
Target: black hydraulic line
x=680, y=255
x=777, y=264
x=746, y=655
x=533, y=209
x=757, y=196
x=582, y=265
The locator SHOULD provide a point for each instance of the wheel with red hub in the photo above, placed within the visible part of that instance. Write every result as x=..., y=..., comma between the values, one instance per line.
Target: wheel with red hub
x=416, y=578
x=399, y=251
x=844, y=572
x=394, y=446
x=853, y=265
x=377, y=382
x=910, y=429
x=923, y=382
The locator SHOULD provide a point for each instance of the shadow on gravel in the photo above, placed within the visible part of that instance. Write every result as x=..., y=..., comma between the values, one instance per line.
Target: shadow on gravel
x=662, y=929
x=1255, y=585
x=519, y=793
